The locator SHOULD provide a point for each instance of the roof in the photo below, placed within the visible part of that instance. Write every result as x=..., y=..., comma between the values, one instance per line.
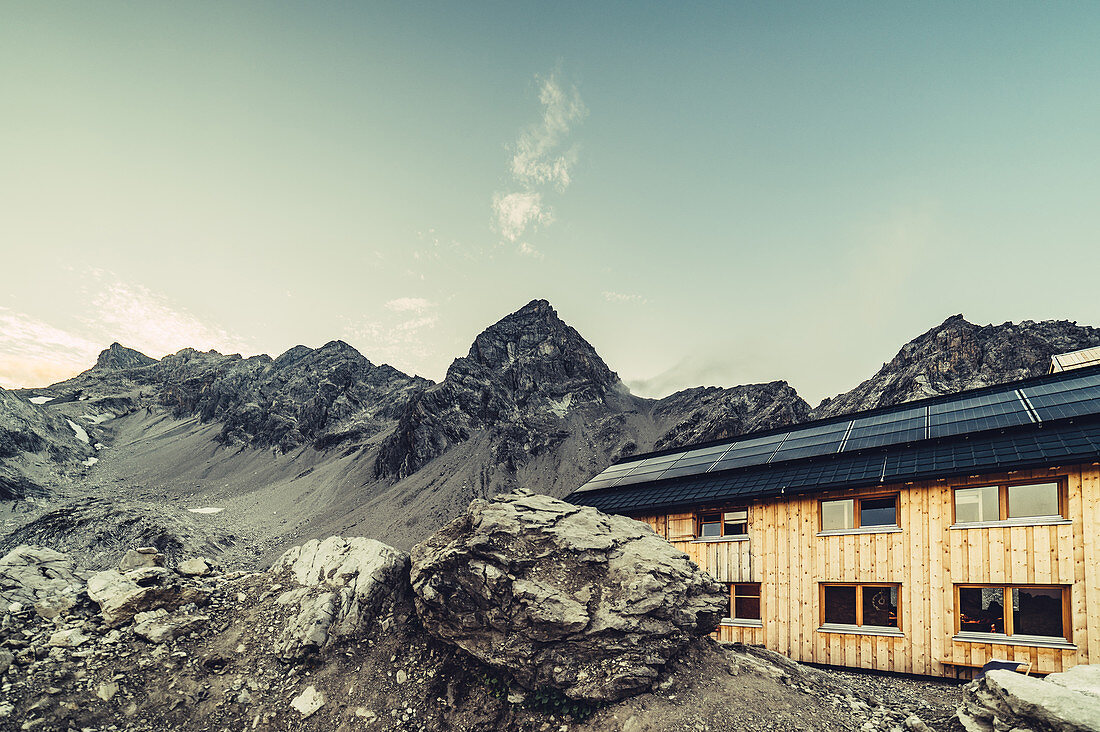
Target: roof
x=1042, y=421
x=1075, y=359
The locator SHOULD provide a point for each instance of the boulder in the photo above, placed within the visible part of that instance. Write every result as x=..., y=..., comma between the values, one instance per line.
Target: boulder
x=1005, y=700
x=562, y=596
x=121, y=596
x=157, y=626
x=346, y=587
x=34, y=576
x=145, y=556
x=196, y=567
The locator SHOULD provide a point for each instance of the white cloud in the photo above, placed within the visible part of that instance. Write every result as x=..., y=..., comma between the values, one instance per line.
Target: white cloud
x=139, y=318
x=518, y=211
x=623, y=297
x=34, y=352
x=397, y=337
x=541, y=160
x=538, y=157
x=409, y=304
x=529, y=250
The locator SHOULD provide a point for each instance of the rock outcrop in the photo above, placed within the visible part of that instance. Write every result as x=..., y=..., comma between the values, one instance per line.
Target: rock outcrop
x=561, y=596
x=1006, y=700
x=40, y=578
x=346, y=587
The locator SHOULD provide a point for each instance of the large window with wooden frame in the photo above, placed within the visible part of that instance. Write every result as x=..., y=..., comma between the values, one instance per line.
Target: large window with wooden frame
x=1010, y=501
x=860, y=605
x=868, y=512
x=716, y=524
x=1015, y=611
x=744, y=602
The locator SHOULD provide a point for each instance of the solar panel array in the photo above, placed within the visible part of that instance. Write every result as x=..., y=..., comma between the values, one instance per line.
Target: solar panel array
x=1008, y=406
x=1061, y=443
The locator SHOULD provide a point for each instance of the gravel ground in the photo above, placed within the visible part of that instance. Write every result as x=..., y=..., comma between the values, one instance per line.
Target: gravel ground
x=934, y=700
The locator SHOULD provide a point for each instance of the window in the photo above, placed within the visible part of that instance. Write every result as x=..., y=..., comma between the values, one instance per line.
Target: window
x=714, y=524
x=744, y=601
x=988, y=503
x=859, y=513
x=873, y=606
x=1014, y=611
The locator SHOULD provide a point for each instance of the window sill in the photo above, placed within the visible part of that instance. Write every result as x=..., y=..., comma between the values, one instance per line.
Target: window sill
x=734, y=623
x=1032, y=641
x=860, y=630
x=719, y=539
x=1030, y=521
x=865, y=530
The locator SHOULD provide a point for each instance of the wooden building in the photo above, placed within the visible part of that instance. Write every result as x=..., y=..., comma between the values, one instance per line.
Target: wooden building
x=926, y=538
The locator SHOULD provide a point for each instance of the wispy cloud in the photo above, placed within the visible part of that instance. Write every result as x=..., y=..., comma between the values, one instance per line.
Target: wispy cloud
x=516, y=212
x=140, y=318
x=540, y=156
x=409, y=304
x=623, y=297
x=34, y=352
x=398, y=336
x=542, y=161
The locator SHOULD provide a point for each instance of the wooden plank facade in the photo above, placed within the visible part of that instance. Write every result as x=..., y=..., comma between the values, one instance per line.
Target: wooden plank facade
x=926, y=556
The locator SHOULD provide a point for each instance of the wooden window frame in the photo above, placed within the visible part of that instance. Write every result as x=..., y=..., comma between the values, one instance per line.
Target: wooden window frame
x=733, y=602
x=698, y=527
x=1002, y=499
x=855, y=513
x=1006, y=604
x=859, y=602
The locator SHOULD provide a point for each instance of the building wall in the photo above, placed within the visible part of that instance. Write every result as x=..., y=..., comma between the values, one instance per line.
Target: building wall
x=926, y=557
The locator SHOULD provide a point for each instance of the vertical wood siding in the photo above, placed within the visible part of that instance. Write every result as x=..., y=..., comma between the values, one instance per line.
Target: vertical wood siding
x=927, y=558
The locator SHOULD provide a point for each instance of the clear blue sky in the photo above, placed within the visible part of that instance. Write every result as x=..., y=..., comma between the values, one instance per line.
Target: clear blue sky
x=710, y=193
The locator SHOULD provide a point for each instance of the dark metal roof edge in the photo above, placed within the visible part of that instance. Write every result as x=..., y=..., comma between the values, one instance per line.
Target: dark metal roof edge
x=854, y=485
x=938, y=442
x=847, y=416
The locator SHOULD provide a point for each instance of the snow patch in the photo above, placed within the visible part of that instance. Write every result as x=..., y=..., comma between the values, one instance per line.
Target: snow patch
x=96, y=418
x=40, y=399
x=80, y=433
x=89, y=462
x=206, y=509
x=561, y=406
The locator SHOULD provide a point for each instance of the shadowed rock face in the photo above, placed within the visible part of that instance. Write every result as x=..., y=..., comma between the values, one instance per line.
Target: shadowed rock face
x=958, y=355
x=517, y=373
x=31, y=437
x=118, y=358
x=561, y=596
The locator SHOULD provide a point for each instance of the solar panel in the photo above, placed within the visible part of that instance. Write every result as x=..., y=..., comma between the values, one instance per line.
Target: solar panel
x=887, y=429
x=1062, y=399
x=752, y=451
x=820, y=440
x=977, y=413
x=1008, y=406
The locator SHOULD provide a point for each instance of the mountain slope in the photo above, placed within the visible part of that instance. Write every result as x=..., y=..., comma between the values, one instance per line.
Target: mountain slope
x=38, y=448
x=958, y=355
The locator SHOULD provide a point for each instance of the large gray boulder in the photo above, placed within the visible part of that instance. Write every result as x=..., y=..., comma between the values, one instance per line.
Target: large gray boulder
x=122, y=595
x=344, y=587
x=562, y=596
x=39, y=577
x=1006, y=700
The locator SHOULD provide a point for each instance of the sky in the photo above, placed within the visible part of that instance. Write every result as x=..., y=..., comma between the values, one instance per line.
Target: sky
x=710, y=193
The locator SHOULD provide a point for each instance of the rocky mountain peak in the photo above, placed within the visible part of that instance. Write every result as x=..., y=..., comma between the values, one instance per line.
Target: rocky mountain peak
x=958, y=355
x=118, y=357
x=534, y=350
